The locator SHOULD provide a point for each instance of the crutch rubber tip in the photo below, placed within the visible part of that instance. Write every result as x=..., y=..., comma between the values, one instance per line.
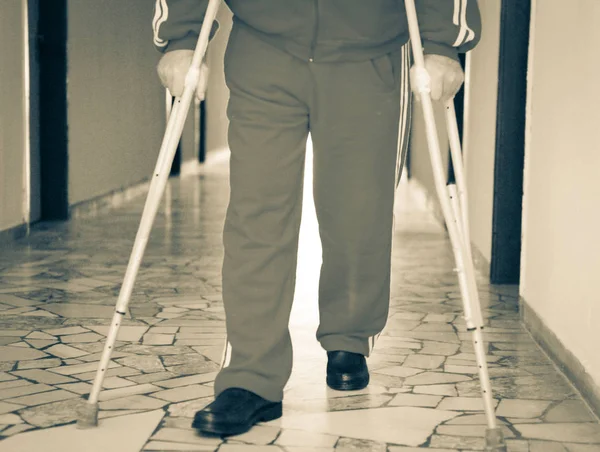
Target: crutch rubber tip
x=494, y=440
x=88, y=416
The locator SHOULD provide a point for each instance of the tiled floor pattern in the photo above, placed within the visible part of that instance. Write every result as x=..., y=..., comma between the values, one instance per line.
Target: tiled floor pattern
x=58, y=289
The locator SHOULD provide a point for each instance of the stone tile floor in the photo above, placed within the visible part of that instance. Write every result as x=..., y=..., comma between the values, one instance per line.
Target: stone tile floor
x=58, y=288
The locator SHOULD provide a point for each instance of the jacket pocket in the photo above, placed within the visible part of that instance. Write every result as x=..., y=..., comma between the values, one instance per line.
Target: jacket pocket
x=385, y=70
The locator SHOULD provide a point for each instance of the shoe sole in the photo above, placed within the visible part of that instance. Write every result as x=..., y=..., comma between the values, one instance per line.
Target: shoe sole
x=345, y=383
x=211, y=427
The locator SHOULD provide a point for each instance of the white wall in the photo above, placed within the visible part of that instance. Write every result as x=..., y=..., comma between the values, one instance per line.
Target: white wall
x=561, y=220
x=12, y=115
x=480, y=127
x=116, y=108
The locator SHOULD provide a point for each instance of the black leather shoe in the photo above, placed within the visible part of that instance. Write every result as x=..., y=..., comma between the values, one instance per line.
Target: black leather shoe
x=235, y=411
x=347, y=371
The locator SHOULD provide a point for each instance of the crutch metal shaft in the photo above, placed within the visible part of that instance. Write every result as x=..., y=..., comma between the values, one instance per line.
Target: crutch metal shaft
x=88, y=417
x=458, y=166
x=453, y=204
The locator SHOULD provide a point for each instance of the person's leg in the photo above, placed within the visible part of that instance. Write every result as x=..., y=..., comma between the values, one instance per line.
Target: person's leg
x=267, y=136
x=355, y=121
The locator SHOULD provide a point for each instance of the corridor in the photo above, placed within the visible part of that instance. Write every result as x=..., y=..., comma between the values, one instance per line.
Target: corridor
x=58, y=289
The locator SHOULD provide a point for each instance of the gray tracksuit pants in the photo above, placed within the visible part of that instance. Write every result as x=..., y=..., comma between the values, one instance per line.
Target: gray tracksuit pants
x=353, y=111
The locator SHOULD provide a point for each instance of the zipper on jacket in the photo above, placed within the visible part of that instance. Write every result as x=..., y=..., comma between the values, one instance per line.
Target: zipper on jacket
x=313, y=44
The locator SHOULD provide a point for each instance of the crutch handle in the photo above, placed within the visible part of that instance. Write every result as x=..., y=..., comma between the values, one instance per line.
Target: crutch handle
x=193, y=74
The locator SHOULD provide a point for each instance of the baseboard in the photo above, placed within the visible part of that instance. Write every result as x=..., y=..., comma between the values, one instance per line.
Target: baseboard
x=110, y=201
x=566, y=361
x=8, y=236
x=214, y=159
x=190, y=168
x=115, y=199
x=86, y=209
x=482, y=265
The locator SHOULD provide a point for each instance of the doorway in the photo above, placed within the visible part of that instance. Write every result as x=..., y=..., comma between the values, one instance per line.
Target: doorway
x=34, y=111
x=202, y=135
x=510, y=142
x=48, y=66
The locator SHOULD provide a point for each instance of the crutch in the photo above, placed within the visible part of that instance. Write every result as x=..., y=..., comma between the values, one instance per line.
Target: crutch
x=88, y=416
x=453, y=201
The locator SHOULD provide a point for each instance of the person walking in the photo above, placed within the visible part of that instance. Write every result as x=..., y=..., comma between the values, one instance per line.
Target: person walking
x=339, y=70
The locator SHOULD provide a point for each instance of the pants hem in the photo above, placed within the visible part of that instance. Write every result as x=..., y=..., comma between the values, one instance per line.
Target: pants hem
x=345, y=344
x=249, y=382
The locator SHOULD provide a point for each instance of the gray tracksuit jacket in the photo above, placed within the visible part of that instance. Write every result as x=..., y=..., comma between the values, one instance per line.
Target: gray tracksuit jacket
x=329, y=30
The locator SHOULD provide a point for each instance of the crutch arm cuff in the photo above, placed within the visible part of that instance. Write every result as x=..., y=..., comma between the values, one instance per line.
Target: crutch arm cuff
x=189, y=41
x=436, y=48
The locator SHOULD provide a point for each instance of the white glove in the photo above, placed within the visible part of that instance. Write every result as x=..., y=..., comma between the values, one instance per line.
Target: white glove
x=446, y=77
x=173, y=68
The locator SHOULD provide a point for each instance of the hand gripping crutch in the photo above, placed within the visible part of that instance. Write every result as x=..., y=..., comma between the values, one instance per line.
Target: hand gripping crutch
x=88, y=416
x=454, y=207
